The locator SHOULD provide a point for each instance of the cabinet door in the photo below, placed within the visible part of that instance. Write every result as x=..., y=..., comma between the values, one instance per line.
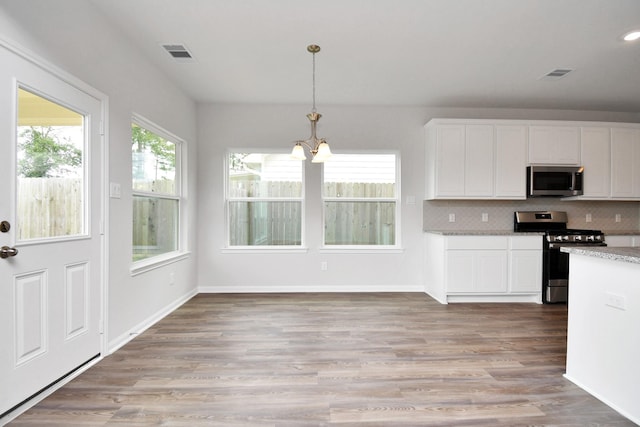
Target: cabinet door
x=479, y=161
x=491, y=271
x=554, y=145
x=526, y=271
x=476, y=271
x=511, y=162
x=450, y=155
x=625, y=162
x=460, y=271
x=596, y=159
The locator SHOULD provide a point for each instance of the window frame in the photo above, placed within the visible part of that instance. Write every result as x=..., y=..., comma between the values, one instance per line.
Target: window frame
x=180, y=252
x=394, y=248
x=228, y=248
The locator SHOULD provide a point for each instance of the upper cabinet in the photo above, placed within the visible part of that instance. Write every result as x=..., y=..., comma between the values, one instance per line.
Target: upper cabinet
x=511, y=160
x=554, y=145
x=487, y=159
x=474, y=161
x=625, y=163
x=460, y=161
x=596, y=159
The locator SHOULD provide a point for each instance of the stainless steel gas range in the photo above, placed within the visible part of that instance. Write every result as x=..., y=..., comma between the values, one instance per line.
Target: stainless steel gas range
x=555, y=266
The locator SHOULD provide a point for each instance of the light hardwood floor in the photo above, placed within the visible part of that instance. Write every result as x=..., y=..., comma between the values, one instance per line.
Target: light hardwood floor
x=374, y=359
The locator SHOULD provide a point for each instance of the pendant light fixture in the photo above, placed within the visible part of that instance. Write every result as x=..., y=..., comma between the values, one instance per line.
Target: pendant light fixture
x=318, y=147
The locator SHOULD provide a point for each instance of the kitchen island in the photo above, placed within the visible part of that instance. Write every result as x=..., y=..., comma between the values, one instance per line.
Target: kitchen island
x=603, y=332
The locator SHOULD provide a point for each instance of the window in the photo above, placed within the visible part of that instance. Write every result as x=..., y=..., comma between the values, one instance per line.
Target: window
x=155, y=159
x=264, y=200
x=361, y=200
x=51, y=189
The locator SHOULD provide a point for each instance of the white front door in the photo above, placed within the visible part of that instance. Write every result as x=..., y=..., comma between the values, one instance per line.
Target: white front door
x=50, y=239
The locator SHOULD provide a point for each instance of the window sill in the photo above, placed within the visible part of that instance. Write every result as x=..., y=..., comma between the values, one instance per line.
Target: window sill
x=264, y=250
x=360, y=250
x=143, y=266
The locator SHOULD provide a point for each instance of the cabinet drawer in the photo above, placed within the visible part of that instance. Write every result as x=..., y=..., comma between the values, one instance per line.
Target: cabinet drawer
x=526, y=242
x=478, y=242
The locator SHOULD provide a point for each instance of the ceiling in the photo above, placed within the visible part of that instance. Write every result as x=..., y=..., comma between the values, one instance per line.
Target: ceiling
x=436, y=53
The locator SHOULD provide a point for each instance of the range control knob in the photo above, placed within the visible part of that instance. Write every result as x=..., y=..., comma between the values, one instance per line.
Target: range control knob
x=578, y=238
x=591, y=238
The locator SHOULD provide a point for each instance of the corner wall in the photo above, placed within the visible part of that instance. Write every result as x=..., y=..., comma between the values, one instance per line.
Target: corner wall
x=74, y=36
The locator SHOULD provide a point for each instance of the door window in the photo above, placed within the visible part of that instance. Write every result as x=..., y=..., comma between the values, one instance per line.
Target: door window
x=50, y=169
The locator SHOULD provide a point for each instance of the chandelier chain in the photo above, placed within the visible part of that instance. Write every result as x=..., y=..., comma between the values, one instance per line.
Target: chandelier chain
x=313, y=110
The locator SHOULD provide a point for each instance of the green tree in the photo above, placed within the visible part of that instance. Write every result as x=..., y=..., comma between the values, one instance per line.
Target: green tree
x=163, y=151
x=44, y=155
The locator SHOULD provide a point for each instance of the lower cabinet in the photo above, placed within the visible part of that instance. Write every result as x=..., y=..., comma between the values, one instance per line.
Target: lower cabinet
x=463, y=268
x=618, y=241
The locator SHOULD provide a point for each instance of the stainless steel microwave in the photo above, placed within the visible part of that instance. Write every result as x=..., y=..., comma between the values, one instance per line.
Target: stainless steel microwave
x=554, y=181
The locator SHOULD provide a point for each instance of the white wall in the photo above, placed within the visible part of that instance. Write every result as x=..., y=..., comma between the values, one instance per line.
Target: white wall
x=368, y=128
x=74, y=37
x=346, y=128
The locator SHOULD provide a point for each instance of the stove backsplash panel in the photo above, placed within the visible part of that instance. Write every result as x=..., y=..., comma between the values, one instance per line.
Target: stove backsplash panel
x=499, y=214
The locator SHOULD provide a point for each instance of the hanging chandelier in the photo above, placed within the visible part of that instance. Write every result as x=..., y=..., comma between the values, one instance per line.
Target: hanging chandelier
x=318, y=147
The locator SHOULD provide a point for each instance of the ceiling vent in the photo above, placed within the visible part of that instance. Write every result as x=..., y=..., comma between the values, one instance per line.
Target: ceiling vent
x=178, y=52
x=556, y=74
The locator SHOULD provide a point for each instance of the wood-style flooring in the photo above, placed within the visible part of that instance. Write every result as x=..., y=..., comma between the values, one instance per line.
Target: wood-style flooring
x=370, y=359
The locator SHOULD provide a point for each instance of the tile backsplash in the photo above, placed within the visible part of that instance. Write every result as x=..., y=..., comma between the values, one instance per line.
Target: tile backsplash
x=499, y=213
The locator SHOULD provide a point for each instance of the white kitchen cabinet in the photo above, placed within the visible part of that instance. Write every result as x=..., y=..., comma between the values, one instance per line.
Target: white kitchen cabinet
x=476, y=271
x=478, y=164
x=448, y=162
x=596, y=159
x=619, y=241
x=625, y=163
x=460, y=161
x=470, y=268
x=476, y=264
x=511, y=161
x=525, y=264
x=486, y=159
x=552, y=144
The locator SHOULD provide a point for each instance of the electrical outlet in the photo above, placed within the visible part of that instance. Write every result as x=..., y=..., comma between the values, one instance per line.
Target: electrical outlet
x=616, y=301
x=324, y=266
x=485, y=217
x=588, y=218
x=618, y=217
x=172, y=278
x=452, y=217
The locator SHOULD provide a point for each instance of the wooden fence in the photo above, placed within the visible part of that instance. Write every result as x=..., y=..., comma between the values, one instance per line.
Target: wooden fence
x=49, y=207
x=280, y=222
x=155, y=219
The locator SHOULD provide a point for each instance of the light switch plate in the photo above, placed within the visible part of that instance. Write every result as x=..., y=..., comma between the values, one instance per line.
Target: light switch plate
x=115, y=191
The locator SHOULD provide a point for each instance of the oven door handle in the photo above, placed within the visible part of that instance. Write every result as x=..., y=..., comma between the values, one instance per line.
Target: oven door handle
x=575, y=245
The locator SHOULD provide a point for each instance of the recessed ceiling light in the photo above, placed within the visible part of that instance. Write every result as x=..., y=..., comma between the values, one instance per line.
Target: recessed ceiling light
x=633, y=35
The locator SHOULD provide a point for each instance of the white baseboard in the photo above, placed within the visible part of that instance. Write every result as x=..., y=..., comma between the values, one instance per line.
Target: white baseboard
x=245, y=289
x=493, y=298
x=622, y=411
x=118, y=342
